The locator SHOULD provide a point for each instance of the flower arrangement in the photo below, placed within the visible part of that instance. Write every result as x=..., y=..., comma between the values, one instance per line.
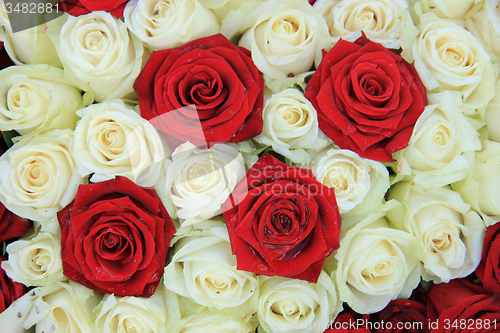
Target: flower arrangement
x=242, y=166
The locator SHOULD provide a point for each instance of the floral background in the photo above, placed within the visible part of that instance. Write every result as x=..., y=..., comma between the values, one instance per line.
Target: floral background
x=251, y=166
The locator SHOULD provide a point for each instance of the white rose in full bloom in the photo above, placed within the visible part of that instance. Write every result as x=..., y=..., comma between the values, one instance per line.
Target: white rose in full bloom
x=383, y=21
x=203, y=269
x=296, y=306
x=360, y=184
x=376, y=264
x=492, y=115
x=61, y=307
x=448, y=57
x=450, y=9
x=36, y=99
x=98, y=54
x=441, y=148
x=198, y=181
x=290, y=125
x=169, y=24
x=112, y=140
x=285, y=37
x=35, y=262
x=485, y=26
x=159, y=313
x=38, y=176
x=206, y=322
x=450, y=234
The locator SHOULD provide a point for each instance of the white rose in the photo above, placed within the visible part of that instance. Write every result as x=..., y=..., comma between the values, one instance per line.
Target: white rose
x=449, y=233
x=376, y=264
x=112, y=140
x=285, y=37
x=290, y=124
x=36, y=99
x=62, y=308
x=205, y=322
x=200, y=180
x=35, y=262
x=485, y=26
x=38, y=177
x=448, y=57
x=159, y=313
x=442, y=143
x=492, y=115
x=296, y=306
x=358, y=182
x=203, y=269
x=451, y=9
x=169, y=24
x=383, y=21
x=98, y=54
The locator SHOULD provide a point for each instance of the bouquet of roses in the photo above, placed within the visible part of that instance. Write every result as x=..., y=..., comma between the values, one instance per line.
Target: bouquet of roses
x=250, y=166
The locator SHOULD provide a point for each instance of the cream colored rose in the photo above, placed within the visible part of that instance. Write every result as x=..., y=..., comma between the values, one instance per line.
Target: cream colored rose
x=285, y=37
x=449, y=233
x=159, y=313
x=441, y=147
x=448, y=57
x=290, y=125
x=203, y=269
x=112, y=140
x=383, y=21
x=451, y=9
x=35, y=99
x=62, y=308
x=205, y=322
x=98, y=54
x=292, y=305
x=38, y=176
x=376, y=264
x=36, y=261
x=169, y=24
x=198, y=181
x=485, y=26
x=360, y=184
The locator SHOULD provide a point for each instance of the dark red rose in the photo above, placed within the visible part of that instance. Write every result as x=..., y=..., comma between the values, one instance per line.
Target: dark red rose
x=82, y=7
x=402, y=315
x=115, y=237
x=350, y=322
x=460, y=306
x=367, y=97
x=11, y=225
x=5, y=60
x=488, y=270
x=10, y=291
x=282, y=221
x=206, y=91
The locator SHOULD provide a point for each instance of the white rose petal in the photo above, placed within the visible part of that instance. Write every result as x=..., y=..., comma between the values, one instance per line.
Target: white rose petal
x=285, y=37
x=205, y=322
x=38, y=177
x=35, y=262
x=451, y=9
x=112, y=140
x=169, y=24
x=485, y=26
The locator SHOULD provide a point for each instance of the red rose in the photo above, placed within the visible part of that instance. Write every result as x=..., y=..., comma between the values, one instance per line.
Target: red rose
x=488, y=270
x=206, y=91
x=282, y=221
x=10, y=291
x=350, y=322
x=367, y=97
x=460, y=306
x=115, y=237
x=11, y=225
x=402, y=315
x=82, y=7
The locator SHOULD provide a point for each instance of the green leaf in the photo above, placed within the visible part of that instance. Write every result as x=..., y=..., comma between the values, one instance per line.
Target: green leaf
x=8, y=135
x=260, y=151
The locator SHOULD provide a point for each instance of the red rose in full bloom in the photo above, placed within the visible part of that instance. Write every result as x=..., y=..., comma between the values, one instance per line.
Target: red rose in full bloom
x=402, y=315
x=82, y=7
x=206, y=91
x=488, y=270
x=460, y=306
x=11, y=225
x=10, y=291
x=115, y=237
x=282, y=221
x=367, y=97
